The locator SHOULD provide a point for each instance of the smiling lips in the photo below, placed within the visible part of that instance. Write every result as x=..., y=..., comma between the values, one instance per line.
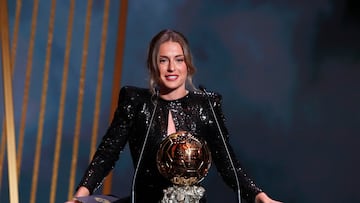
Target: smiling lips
x=171, y=77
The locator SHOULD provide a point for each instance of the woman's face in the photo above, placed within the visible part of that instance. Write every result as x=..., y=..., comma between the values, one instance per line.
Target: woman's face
x=172, y=68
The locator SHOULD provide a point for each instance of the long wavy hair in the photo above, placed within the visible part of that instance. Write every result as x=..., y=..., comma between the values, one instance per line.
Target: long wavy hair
x=153, y=51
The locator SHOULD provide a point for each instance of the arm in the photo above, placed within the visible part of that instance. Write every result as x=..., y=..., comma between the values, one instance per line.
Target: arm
x=108, y=151
x=224, y=157
x=249, y=190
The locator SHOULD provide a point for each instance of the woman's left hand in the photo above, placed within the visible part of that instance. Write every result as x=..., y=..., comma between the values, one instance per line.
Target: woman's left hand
x=263, y=198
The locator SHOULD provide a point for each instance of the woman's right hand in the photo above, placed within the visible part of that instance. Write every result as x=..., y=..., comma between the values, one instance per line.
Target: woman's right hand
x=81, y=192
x=73, y=201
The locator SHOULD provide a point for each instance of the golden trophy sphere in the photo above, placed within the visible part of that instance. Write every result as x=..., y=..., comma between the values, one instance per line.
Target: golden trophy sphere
x=183, y=159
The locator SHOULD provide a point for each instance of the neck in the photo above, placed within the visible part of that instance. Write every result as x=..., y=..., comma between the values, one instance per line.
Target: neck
x=173, y=95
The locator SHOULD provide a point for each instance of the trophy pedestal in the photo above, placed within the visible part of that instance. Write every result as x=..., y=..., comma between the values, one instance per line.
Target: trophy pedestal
x=183, y=194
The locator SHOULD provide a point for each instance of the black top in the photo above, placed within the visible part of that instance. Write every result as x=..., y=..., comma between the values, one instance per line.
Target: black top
x=130, y=123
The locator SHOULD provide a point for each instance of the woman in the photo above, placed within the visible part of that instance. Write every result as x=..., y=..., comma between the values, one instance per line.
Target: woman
x=171, y=104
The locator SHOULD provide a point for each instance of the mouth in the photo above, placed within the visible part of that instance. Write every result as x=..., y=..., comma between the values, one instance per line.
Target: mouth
x=171, y=77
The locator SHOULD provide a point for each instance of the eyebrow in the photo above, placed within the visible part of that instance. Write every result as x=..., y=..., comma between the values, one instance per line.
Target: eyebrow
x=181, y=55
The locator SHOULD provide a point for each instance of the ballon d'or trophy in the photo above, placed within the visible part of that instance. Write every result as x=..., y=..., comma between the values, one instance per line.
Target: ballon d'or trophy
x=185, y=161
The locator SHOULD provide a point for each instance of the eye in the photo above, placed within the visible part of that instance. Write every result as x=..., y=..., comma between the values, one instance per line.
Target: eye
x=180, y=59
x=162, y=60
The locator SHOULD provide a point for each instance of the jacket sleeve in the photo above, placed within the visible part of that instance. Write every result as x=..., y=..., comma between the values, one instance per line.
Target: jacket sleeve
x=222, y=161
x=112, y=143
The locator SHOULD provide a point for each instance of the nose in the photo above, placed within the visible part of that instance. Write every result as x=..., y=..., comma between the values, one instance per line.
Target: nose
x=171, y=66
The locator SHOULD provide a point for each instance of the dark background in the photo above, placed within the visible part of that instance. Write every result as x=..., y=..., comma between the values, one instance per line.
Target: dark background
x=288, y=72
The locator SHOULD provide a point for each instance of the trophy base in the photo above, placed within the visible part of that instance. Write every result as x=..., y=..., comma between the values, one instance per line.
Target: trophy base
x=183, y=194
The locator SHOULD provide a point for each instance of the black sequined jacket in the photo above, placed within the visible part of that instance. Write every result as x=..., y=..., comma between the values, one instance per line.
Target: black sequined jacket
x=130, y=123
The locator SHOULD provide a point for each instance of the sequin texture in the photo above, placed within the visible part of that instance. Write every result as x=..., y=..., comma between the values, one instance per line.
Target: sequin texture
x=130, y=123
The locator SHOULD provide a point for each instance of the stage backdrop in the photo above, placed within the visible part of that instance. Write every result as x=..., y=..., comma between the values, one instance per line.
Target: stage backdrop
x=288, y=71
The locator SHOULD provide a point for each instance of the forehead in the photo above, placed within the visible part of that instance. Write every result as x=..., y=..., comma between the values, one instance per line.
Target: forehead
x=170, y=48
